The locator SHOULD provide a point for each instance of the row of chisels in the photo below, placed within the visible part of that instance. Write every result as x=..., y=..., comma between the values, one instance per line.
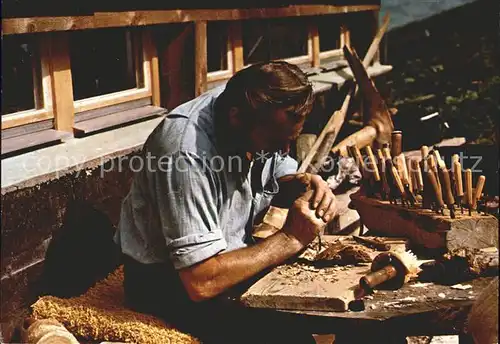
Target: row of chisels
x=427, y=182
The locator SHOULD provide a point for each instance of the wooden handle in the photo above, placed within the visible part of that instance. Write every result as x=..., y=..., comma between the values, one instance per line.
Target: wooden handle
x=418, y=176
x=387, y=152
x=373, y=163
x=359, y=158
x=454, y=158
x=383, y=171
x=375, y=278
x=408, y=172
x=424, y=150
x=444, y=176
x=431, y=177
x=468, y=187
x=457, y=172
x=396, y=143
x=433, y=167
x=479, y=190
x=439, y=160
x=396, y=178
x=427, y=193
x=362, y=138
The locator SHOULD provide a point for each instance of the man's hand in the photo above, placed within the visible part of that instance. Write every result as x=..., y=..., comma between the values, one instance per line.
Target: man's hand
x=324, y=200
x=296, y=185
x=302, y=223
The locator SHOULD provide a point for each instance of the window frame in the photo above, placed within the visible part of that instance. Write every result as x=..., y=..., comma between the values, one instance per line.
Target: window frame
x=53, y=57
x=143, y=39
x=44, y=112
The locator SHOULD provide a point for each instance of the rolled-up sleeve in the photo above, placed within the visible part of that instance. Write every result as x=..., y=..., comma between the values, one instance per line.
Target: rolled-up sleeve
x=284, y=166
x=186, y=192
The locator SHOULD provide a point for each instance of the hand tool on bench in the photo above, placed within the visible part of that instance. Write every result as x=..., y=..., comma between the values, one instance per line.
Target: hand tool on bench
x=385, y=191
x=433, y=165
x=389, y=270
x=400, y=163
x=396, y=143
x=395, y=184
x=368, y=187
x=424, y=150
x=444, y=176
x=410, y=177
x=459, y=189
x=431, y=178
x=338, y=117
x=373, y=168
x=454, y=158
x=417, y=173
x=478, y=191
x=427, y=192
x=468, y=190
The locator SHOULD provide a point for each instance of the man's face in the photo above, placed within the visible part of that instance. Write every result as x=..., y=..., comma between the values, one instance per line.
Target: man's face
x=276, y=131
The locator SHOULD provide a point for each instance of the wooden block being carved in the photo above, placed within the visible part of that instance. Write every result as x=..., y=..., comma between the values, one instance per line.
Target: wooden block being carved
x=425, y=228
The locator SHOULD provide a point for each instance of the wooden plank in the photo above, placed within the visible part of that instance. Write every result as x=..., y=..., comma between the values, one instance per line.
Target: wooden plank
x=141, y=18
x=27, y=129
x=323, y=288
x=314, y=37
x=116, y=119
x=424, y=227
x=339, y=77
x=62, y=83
x=200, y=59
x=24, y=117
x=111, y=99
x=236, y=45
x=32, y=140
x=108, y=110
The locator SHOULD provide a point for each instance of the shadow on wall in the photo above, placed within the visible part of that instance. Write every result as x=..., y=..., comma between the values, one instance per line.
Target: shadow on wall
x=80, y=253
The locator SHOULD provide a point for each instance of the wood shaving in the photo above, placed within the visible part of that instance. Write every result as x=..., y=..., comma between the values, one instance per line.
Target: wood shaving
x=344, y=254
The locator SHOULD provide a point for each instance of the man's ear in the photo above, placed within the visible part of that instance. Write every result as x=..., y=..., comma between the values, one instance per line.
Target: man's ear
x=234, y=117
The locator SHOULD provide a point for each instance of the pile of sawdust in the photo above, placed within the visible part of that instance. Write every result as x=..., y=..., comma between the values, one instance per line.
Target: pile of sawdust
x=100, y=315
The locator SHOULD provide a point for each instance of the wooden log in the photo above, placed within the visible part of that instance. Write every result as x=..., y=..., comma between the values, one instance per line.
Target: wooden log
x=424, y=227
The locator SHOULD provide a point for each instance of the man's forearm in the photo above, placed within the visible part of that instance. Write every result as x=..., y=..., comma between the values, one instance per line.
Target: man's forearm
x=213, y=276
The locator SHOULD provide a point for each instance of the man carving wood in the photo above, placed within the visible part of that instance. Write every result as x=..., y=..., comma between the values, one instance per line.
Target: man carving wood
x=214, y=166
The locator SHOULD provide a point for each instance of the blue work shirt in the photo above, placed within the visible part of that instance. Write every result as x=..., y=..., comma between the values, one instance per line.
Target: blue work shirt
x=194, y=199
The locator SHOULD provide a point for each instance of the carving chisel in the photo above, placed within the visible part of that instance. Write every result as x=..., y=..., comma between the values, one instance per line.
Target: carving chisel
x=468, y=190
x=373, y=168
x=478, y=191
x=436, y=191
x=383, y=175
x=444, y=176
x=459, y=189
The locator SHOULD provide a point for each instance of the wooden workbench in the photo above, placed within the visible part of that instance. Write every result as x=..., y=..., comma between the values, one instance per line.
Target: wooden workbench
x=388, y=316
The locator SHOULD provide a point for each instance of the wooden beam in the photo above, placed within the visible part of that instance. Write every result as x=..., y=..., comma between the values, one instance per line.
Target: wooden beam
x=141, y=18
x=200, y=57
x=62, y=82
x=236, y=45
x=24, y=117
x=314, y=38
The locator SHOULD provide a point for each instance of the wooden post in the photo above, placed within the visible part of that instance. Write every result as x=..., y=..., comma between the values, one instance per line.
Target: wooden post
x=152, y=54
x=314, y=37
x=62, y=82
x=236, y=45
x=200, y=57
x=345, y=36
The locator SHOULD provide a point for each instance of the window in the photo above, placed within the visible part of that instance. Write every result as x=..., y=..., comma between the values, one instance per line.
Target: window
x=21, y=75
x=25, y=81
x=284, y=38
x=217, y=46
x=329, y=35
x=104, y=61
x=109, y=67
